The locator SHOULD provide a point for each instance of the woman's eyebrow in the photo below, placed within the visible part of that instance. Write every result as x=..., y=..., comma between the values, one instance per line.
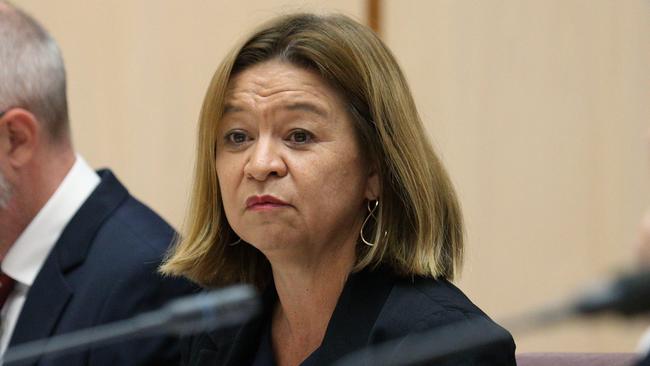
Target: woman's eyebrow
x=231, y=108
x=293, y=106
x=307, y=107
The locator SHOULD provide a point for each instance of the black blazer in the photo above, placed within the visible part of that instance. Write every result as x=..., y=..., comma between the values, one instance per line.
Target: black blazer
x=103, y=269
x=375, y=306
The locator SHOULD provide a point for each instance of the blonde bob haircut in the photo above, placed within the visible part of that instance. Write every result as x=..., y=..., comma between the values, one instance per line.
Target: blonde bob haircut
x=418, y=229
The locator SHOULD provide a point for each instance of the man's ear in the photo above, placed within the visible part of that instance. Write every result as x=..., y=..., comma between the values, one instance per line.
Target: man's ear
x=19, y=136
x=373, y=186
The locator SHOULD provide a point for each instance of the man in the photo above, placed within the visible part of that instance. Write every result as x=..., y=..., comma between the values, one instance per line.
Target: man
x=76, y=249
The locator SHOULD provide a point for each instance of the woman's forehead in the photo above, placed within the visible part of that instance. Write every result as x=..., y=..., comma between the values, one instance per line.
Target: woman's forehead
x=279, y=84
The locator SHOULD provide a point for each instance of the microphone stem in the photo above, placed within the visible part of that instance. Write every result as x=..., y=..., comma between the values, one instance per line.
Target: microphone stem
x=98, y=336
x=541, y=318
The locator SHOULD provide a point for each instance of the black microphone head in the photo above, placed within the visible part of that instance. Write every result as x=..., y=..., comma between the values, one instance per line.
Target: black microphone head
x=627, y=295
x=212, y=309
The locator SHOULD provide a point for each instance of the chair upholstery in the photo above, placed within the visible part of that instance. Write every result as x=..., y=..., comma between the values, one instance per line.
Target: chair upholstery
x=576, y=359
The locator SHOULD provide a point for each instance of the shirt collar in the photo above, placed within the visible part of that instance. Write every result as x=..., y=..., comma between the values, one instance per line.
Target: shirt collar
x=28, y=253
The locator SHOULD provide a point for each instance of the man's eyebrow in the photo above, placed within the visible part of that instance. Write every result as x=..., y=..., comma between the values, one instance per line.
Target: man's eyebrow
x=307, y=107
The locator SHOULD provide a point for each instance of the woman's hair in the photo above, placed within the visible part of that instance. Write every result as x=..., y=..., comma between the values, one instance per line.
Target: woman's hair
x=418, y=229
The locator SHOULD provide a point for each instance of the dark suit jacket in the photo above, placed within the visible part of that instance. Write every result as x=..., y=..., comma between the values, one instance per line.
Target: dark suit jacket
x=375, y=306
x=645, y=361
x=103, y=269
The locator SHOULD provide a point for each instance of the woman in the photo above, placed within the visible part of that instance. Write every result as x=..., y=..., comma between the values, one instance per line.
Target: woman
x=315, y=181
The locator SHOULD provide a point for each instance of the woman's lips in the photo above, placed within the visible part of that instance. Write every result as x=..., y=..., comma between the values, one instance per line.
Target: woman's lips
x=264, y=202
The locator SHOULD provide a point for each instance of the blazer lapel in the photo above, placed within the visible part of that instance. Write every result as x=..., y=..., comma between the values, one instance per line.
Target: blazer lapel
x=207, y=357
x=235, y=346
x=49, y=294
x=232, y=347
x=354, y=317
x=245, y=342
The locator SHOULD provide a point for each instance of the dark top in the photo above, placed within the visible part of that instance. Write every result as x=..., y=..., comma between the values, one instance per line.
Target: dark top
x=264, y=355
x=374, y=307
x=103, y=268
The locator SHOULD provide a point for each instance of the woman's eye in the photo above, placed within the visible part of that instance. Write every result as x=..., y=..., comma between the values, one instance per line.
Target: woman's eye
x=300, y=137
x=236, y=137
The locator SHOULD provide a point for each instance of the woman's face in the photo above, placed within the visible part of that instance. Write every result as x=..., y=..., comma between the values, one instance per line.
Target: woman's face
x=291, y=174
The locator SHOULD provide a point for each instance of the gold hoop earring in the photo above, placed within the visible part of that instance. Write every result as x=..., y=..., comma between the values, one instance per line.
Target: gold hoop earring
x=371, y=213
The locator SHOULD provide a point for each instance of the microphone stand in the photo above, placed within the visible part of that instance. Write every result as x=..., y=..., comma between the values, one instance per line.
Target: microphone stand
x=187, y=315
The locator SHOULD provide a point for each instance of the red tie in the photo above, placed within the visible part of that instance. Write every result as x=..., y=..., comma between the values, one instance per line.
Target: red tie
x=6, y=286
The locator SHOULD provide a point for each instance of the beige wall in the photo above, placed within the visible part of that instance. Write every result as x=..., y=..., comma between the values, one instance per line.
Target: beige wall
x=539, y=109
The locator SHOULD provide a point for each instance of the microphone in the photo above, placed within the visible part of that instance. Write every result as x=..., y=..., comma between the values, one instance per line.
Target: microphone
x=187, y=315
x=626, y=295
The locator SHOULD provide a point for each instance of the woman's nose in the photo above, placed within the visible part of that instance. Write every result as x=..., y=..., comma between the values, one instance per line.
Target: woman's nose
x=265, y=160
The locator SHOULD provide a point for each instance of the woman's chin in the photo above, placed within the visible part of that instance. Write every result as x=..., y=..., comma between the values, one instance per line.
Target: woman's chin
x=270, y=245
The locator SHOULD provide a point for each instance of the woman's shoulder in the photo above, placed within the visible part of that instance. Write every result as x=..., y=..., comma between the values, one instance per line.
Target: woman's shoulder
x=428, y=296
x=417, y=307
x=417, y=304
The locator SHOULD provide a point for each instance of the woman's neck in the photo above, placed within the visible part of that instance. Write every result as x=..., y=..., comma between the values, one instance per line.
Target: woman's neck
x=308, y=294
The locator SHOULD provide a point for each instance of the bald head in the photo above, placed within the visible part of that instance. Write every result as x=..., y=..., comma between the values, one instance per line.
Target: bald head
x=32, y=75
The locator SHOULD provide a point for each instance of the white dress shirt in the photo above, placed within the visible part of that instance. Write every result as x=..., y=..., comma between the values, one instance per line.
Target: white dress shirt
x=28, y=253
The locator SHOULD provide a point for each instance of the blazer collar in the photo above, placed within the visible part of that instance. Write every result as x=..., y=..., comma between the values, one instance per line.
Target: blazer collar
x=76, y=239
x=50, y=289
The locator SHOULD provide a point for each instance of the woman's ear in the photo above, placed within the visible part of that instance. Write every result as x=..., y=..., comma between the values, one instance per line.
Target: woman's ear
x=373, y=187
